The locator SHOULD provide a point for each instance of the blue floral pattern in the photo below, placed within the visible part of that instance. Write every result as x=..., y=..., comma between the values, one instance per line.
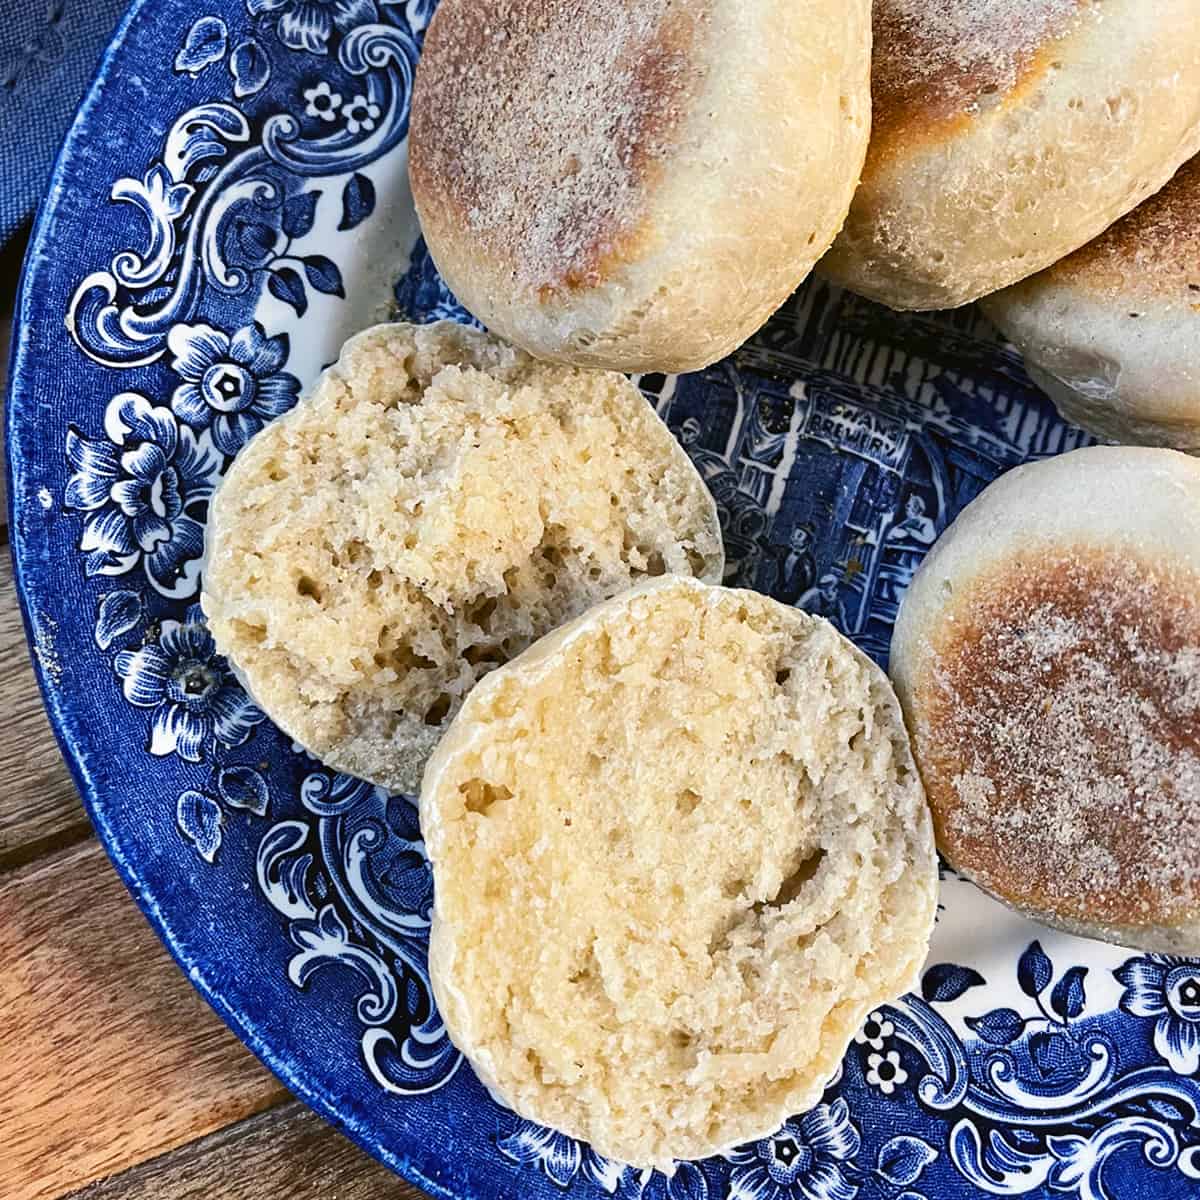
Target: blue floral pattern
x=322, y=101
x=805, y=1160
x=1167, y=989
x=232, y=385
x=689, y=1182
x=838, y=443
x=875, y=1031
x=560, y=1158
x=352, y=879
x=308, y=24
x=201, y=816
x=361, y=114
x=145, y=490
x=195, y=702
x=885, y=1072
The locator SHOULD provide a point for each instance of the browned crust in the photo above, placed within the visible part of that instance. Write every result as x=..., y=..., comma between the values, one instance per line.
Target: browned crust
x=1155, y=248
x=1059, y=737
x=943, y=61
x=542, y=125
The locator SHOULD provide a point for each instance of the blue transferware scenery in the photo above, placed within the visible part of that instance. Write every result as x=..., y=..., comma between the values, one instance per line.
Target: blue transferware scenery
x=231, y=204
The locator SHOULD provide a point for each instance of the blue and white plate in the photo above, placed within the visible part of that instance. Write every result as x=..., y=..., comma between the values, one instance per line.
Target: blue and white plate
x=230, y=205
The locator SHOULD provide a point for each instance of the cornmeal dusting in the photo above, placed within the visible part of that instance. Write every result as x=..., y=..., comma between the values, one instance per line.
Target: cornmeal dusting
x=1060, y=736
x=944, y=57
x=1156, y=248
x=546, y=121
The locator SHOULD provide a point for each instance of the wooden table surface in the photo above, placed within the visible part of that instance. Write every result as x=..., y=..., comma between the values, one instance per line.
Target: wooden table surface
x=117, y=1082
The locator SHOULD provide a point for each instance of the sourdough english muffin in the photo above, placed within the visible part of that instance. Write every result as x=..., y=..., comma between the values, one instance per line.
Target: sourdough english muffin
x=436, y=503
x=680, y=851
x=636, y=185
x=1048, y=659
x=1113, y=332
x=1008, y=133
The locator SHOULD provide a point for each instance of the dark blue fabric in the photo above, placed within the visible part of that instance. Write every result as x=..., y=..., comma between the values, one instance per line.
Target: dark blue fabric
x=48, y=53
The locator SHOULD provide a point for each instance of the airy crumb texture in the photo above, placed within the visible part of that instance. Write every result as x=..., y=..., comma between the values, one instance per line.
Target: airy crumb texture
x=1057, y=725
x=680, y=851
x=435, y=505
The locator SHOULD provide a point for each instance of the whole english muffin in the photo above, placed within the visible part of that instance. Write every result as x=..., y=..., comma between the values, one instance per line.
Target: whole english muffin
x=680, y=851
x=1048, y=658
x=636, y=185
x=437, y=502
x=1113, y=332
x=1008, y=133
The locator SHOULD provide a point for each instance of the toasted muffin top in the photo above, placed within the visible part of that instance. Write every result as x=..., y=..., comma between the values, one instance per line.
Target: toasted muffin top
x=1153, y=252
x=546, y=124
x=1058, y=730
x=937, y=60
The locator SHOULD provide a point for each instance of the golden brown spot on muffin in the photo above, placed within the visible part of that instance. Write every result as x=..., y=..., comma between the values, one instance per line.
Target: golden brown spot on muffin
x=544, y=125
x=1154, y=250
x=1059, y=736
x=941, y=59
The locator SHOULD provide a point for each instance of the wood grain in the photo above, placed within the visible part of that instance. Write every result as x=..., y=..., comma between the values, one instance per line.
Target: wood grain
x=107, y=1057
x=110, y=1064
x=39, y=807
x=288, y=1153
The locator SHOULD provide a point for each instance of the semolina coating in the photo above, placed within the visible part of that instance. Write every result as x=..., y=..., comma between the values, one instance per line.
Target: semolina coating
x=437, y=503
x=680, y=851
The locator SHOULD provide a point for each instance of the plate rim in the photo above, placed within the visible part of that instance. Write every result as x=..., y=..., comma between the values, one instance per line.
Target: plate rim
x=21, y=397
x=404, y=1148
